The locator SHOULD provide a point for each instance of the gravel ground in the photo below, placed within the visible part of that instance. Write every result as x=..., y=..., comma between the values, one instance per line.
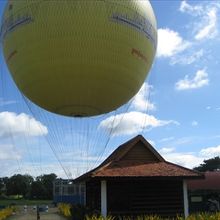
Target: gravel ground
x=52, y=214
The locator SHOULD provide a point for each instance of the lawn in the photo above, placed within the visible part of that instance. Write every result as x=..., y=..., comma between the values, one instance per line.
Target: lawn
x=7, y=202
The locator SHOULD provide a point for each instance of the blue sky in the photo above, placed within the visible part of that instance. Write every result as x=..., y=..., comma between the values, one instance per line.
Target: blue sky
x=177, y=109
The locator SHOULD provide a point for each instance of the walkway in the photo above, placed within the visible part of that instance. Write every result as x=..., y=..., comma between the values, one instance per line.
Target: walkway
x=52, y=214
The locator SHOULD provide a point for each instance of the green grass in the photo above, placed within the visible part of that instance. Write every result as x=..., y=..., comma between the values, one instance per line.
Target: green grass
x=7, y=202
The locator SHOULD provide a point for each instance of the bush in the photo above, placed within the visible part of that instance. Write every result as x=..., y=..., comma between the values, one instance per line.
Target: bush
x=199, y=216
x=4, y=213
x=205, y=216
x=64, y=209
x=79, y=212
x=95, y=217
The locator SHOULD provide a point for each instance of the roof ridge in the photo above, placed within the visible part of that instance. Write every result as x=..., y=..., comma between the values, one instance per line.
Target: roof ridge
x=118, y=149
x=152, y=149
x=185, y=168
x=117, y=155
x=128, y=146
x=95, y=171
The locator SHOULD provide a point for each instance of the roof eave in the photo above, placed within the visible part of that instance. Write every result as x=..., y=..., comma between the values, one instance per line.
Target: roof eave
x=143, y=177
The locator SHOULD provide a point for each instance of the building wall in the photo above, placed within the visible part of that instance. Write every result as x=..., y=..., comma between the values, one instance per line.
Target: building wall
x=204, y=200
x=137, y=197
x=93, y=195
x=139, y=154
x=67, y=192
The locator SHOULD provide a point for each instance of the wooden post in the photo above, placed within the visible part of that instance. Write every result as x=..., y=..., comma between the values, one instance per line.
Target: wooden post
x=104, y=198
x=185, y=199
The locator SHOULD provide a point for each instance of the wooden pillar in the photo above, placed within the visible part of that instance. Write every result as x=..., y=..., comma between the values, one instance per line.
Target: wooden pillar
x=185, y=199
x=104, y=198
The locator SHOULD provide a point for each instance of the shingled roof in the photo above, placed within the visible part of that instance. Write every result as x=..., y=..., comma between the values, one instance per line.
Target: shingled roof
x=137, y=158
x=210, y=182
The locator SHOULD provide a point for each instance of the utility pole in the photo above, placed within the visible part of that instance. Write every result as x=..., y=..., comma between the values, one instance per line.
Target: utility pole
x=38, y=213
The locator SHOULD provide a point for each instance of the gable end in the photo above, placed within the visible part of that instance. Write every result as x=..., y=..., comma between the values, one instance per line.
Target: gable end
x=140, y=153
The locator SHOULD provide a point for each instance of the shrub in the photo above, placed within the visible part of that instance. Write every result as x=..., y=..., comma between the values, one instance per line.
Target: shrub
x=95, y=217
x=4, y=213
x=64, y=209
x=80, y=212
x=205, y=216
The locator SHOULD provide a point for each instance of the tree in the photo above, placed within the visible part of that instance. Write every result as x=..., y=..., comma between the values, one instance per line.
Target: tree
x=212, y=164
x=25, y=185
x=47, y=181
x=2, y=185
x=38, y=190
x=19, y=185
x=3, y=181
x=42, y=187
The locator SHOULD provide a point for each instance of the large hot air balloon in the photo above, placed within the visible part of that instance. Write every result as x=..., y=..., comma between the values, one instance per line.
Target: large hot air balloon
x=79, y=58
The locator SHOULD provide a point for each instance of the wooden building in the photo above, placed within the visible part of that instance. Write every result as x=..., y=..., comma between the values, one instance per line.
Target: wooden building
x=135, y=180
x=204, y=194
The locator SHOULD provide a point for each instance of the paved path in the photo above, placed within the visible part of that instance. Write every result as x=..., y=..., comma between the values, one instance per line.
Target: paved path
x=52, y=214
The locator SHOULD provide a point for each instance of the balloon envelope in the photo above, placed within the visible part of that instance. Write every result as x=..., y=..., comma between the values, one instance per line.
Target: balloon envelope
x=79, y=58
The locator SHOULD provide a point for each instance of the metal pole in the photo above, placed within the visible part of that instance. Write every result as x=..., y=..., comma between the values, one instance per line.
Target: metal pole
x=38, y=213
x=104, y=198
x=185, y=199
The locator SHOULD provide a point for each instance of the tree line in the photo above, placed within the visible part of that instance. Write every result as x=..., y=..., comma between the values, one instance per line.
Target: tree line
x=27, y=186
x=212, y=164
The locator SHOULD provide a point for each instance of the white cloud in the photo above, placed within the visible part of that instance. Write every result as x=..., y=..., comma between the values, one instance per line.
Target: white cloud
x=131, y=123
x=151, y=142
x=189, y=159
x=194, y=123
x=166, y=150
x=185, y=59
x=6, y=102
x=199, y=80
x=186, y=159
x=210, y=151
x=9, y=168
x=167, y=139
x=205, y=14
x=193, y=10
x=7, y=153
x=141, y=101
x=213, y=108
x=203, y=25
x=20, y=124
x=209, y=25
x=170, y=43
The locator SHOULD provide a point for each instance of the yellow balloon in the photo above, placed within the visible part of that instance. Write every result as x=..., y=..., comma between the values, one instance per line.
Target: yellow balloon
x=79, y=57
